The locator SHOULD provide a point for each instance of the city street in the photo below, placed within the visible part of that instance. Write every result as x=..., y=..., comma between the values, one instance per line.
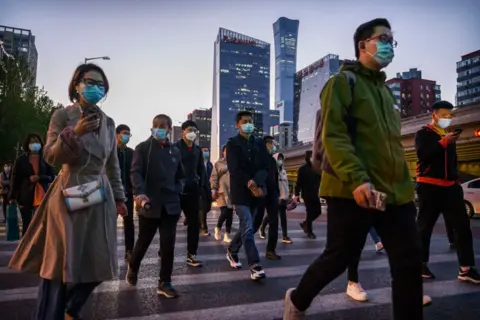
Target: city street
x=217, y=292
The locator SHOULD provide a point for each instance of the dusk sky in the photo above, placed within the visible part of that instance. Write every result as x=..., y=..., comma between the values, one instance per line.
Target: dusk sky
x=162, y=51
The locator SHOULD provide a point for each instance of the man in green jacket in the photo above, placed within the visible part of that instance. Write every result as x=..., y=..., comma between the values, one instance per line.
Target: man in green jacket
x=359, y=134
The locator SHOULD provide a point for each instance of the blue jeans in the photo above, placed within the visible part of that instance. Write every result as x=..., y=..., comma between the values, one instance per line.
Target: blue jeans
x=245, y=235
x=374, y=235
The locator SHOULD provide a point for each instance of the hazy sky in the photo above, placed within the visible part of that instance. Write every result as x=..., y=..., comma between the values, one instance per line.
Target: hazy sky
x=162, y=51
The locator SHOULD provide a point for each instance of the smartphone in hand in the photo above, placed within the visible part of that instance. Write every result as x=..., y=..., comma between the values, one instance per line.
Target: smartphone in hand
x=458, y=131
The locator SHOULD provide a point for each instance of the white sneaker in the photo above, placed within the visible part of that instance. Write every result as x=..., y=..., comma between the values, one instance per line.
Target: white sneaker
x=226, y=238
x=218, y=235
x=426, y=300
x=356, y=292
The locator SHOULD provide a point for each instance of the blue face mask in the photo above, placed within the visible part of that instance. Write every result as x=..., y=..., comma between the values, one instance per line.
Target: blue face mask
x=247, y=128
x=35, y=147
x=93, y=94
x=384, y=54
x=206, y=154
x=125, y=138
x=159, y=133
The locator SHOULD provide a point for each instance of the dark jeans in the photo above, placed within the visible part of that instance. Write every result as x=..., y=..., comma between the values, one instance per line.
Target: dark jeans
x=129, y=226
x=434, y=200
x=56, y=298
x=245, y=235
x=314, y=210
x=4, y=205
x=167, y=227
x=226, y=215
x=205, y=207
x=26, y=212
x=282, y=212
x=271, y=205
x=190, y=206
x=347, y=229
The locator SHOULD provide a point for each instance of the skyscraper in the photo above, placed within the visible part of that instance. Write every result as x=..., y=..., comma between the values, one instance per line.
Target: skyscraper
x=203, y=120
x=468, y=79
x=21, y=44
x=309, y=83
x=241, y=81
x=285, y=33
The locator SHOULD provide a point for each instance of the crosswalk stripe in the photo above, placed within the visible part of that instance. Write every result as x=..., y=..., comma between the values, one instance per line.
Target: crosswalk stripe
x=208, y=278
x=322, y=304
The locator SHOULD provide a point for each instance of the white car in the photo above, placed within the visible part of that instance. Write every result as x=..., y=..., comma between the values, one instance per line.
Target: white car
x=471, y=195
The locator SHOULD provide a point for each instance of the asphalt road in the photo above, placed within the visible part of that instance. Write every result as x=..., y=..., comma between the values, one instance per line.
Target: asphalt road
x=218, y=292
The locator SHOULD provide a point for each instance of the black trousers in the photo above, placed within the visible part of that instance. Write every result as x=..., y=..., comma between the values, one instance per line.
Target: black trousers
x=271, y=205
x=314, y=210
x=434, y=200
x=282, y=212
x=347, y=230
x=226, y=215
x=450, y=233
x=205, y=207
x=129, y=226
x=4, y=205
x=167, y=226
x=26, y=212
x=190, y=206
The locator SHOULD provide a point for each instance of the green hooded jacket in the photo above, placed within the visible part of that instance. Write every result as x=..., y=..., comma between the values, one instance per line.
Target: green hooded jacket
x=376, y=153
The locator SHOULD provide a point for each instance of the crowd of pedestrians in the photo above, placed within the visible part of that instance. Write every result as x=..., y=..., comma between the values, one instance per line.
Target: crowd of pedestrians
x=357, y=165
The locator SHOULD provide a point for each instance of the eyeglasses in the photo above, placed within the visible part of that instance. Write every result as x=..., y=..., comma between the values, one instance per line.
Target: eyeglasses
x=384, y=38
x=128, y=134
x=90, y=82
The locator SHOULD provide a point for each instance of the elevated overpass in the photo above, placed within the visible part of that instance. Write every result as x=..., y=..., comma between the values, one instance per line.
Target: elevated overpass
x=468, y=145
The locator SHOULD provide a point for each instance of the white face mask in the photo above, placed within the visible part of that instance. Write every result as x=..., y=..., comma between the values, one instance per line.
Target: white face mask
x=444, y=123
x=280, y=163
x=191, y=136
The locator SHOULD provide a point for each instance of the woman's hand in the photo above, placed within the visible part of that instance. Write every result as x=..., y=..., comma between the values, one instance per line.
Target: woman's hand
x=87, y=124
x=34, y=178
x=121, y=209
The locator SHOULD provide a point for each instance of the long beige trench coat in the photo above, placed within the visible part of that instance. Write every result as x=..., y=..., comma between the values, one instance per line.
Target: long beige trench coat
x=80, y=246
x=220, y=181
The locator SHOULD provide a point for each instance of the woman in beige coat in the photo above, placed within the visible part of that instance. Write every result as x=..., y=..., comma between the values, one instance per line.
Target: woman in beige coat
x=73, y=250
x=220, y=184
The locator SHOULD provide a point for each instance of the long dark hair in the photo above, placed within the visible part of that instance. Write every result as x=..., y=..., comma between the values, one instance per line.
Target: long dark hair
x=27, y=141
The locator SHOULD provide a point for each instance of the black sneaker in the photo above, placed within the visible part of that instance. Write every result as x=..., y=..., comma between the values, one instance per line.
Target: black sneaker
x=167, y=290
x=286, y=240
x=131, y=277
x=426, y=273
x=192, y=261
x=205, y=233
x=128, y=255
x=233, y=259
x=303, y=225
x=256, y=272
x=261, y=233
x=272, y=255
x=159, y=253
x=311, y=235
x=470, y=276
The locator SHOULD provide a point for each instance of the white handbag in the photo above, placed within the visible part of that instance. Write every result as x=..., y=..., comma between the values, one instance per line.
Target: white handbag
x=84, y=195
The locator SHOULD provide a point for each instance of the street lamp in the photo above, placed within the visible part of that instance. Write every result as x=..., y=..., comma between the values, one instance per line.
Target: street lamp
x=97, y=58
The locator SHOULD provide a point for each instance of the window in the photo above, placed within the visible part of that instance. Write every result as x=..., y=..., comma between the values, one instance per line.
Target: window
x=474, y=184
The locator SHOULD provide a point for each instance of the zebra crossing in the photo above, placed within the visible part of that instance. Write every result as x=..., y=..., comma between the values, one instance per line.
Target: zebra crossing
x=216, y=291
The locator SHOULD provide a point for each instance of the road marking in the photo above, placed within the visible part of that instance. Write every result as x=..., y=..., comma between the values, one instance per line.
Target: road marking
x=208, y=278
x=322, y=304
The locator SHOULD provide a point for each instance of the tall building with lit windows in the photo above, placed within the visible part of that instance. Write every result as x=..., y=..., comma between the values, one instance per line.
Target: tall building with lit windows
x=241, y=81
x=285, y=32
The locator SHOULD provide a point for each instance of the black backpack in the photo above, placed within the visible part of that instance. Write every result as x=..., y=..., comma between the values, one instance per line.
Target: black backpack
x=320, y=162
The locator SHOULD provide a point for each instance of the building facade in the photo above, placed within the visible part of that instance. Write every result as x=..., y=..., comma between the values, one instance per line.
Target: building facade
x=203, y=119
x=176, y=133
x=285, y=32
x=241, y=81
x=308, y=84
x=468, y=79
x=21, y=44
x=414, y=95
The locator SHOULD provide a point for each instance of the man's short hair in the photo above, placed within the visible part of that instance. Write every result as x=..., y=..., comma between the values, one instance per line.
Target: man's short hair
x=189, y=123
x=442, y=105
x=267, y=139
x=122, y=127
x=164, y=116
x=366, y=30
x=241, y=114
